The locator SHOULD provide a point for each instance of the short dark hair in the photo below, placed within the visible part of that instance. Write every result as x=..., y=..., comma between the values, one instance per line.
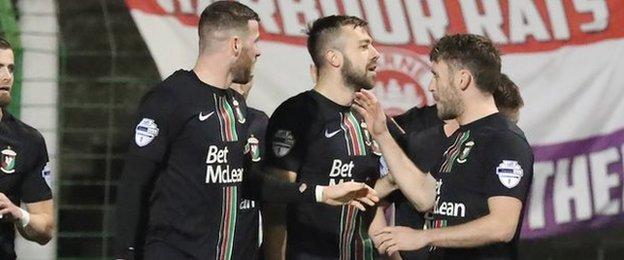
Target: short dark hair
x=324, y=29
x=4, y=44
x=473, y=52
x=507, y=95
x=225, y=15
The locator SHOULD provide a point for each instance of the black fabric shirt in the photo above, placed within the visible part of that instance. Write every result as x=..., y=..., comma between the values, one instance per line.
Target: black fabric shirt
x=23, y=172
x=325, y=144
x=424, y=143
x=488, y=157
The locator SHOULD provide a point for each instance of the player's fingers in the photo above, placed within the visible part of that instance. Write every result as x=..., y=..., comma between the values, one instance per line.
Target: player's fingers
x=360, y=110
x=357, y=204
x=366, y=201
x=392, y=249
x=369, y=95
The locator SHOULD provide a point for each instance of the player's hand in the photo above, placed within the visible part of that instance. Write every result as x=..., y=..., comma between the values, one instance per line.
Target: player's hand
x=390, y=240
x=367, y=105
x=8, y=210
x=351, y=193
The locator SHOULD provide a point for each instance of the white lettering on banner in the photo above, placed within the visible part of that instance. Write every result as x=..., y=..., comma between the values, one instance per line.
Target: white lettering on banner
x=396, y=31
x=490, y=23
x=572, y=189
x=265, y=9
x=536, y=215
x=600, y=12
x=603, y=181
x=558, y=19
x=291, y=11
x=427, y=28
x=400, y=22
x=525, y=21
x=583, y=180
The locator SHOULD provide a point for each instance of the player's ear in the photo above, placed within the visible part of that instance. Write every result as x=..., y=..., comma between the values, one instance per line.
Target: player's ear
x=464, y=77
x=333, y=58
x=236, y=45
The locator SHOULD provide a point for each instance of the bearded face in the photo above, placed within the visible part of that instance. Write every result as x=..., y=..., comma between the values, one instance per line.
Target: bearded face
x=358, y=77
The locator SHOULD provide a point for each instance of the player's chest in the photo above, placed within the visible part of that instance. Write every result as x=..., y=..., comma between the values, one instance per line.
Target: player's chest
x=219, y=119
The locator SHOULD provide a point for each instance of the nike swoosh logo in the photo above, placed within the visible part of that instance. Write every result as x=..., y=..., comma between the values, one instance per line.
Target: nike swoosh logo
x=330, y=135
x=203, y=117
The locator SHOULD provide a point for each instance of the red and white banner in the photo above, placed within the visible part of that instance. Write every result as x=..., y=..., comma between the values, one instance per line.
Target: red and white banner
x=566, y=56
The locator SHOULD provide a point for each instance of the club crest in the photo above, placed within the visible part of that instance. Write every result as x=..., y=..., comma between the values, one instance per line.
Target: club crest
x=253, y=148
x=463, y=156
x=7, y=165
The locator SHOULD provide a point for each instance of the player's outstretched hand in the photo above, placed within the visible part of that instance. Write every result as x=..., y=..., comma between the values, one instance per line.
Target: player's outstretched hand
x=367, y=105
x=390, y=240
x=351, y=193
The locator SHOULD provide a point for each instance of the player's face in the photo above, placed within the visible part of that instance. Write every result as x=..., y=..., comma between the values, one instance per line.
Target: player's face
x=6, y=76
x=445, y=91
x=242, y=70
x=360, y=58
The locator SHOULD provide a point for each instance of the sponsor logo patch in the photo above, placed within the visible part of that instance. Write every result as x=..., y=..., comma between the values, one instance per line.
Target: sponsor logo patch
x=509, y=173
x=145, y=132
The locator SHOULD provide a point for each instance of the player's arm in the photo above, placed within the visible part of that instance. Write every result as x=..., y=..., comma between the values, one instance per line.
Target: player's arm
x=36, y=223
x=274, y=223
x=39, y=225
x=417, y=186
x=498, y=226
x=507, y=173
x=152, y=134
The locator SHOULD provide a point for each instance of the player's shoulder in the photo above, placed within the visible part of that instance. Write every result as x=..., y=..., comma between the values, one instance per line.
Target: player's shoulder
x=295, y=106
x=25, y=131
x=257, y=114
x=418, y=118
x=506, y=134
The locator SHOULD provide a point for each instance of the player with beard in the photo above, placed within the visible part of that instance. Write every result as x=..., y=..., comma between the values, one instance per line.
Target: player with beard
x=425, y=145
x=23, y=169
x=316, y=138
x=188, y=161
x=478, y=188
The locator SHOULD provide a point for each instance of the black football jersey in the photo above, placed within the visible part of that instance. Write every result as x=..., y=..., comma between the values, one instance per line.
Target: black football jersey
x=325, y=144
x=24, y=170
x=486, y=158
x=197, y=133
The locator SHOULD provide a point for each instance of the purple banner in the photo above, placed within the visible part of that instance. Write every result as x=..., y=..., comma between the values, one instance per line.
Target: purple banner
x=577, y=186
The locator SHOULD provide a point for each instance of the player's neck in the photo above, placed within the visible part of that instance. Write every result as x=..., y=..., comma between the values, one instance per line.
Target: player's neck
x=335, y=90
x=477, y=108
x=212, y=72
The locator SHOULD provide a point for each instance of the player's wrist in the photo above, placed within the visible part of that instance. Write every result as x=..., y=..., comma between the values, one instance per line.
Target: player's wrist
x=319, y=192
x=24, y=219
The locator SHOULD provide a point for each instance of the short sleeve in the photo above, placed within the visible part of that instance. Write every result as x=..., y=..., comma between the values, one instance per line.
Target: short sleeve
x=286, y=139
x=151, y=126
x=508, y=166
x=35, y=185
